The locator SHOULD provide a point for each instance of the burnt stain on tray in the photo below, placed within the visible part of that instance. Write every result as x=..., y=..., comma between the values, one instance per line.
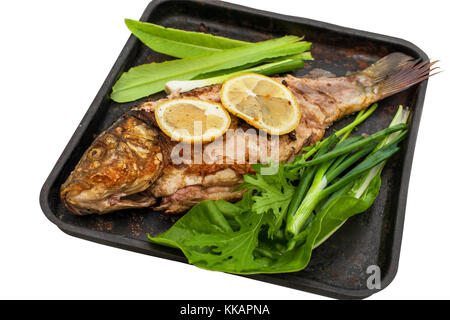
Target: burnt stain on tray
x=338, y=268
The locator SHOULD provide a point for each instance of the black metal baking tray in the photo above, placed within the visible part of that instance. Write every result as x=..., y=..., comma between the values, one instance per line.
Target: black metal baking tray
x=338, y=268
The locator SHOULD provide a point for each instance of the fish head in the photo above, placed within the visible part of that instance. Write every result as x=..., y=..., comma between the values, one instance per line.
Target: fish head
x=116, y=169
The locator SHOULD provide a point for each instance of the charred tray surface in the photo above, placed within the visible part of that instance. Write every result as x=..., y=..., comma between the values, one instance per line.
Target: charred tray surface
x=338, y=268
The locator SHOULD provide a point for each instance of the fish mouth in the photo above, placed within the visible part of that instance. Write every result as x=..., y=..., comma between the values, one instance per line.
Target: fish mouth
x=76, y=199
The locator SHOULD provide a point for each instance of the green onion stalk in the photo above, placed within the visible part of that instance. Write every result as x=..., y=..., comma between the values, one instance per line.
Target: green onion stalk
x=318, y=180
x=360, y=186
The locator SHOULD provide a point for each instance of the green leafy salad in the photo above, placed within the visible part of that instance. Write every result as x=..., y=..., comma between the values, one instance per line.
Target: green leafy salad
x=284, y=216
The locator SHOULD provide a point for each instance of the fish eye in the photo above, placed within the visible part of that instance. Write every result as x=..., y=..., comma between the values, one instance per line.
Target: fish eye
x=95, y=154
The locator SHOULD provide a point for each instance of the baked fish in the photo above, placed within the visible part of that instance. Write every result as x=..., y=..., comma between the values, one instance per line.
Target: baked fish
x=130, y=165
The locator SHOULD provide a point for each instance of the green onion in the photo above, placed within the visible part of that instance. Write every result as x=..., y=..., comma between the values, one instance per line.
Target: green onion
x=322, y=148
x=400, y=117
x=349, y=161
x=360, y=186
x=305, y=181
x=331, y=164
x=370, y=162
x=370, y=139
x=319, y=190
x=344, y=132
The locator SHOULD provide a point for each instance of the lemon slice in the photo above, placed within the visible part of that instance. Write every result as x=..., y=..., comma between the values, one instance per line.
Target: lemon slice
x=262, y=102
x=191, y=120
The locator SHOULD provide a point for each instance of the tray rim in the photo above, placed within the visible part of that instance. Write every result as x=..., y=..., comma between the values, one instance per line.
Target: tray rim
x=140, y=246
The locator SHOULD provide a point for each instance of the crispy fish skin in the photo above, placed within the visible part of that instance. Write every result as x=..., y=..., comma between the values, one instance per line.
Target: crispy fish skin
x=118, y=180
x=124, y=160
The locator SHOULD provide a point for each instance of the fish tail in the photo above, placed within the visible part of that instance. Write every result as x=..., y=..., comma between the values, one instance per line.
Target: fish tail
x=396, y=72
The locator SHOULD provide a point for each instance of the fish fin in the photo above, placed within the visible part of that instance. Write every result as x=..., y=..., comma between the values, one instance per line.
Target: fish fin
x=385, y=67
x=396, y=72
x=408, y=75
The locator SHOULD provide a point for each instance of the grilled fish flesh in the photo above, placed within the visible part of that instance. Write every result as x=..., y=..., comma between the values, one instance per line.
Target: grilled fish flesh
x=130, y=165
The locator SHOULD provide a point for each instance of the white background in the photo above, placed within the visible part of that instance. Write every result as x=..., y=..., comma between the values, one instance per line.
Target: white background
x=54, y=57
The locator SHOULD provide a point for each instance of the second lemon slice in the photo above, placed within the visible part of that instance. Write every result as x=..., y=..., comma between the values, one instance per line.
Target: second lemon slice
x=262, y=102
x=191, y=120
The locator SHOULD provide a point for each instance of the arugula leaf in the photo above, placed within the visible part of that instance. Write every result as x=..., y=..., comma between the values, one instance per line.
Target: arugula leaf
x=179, y=43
